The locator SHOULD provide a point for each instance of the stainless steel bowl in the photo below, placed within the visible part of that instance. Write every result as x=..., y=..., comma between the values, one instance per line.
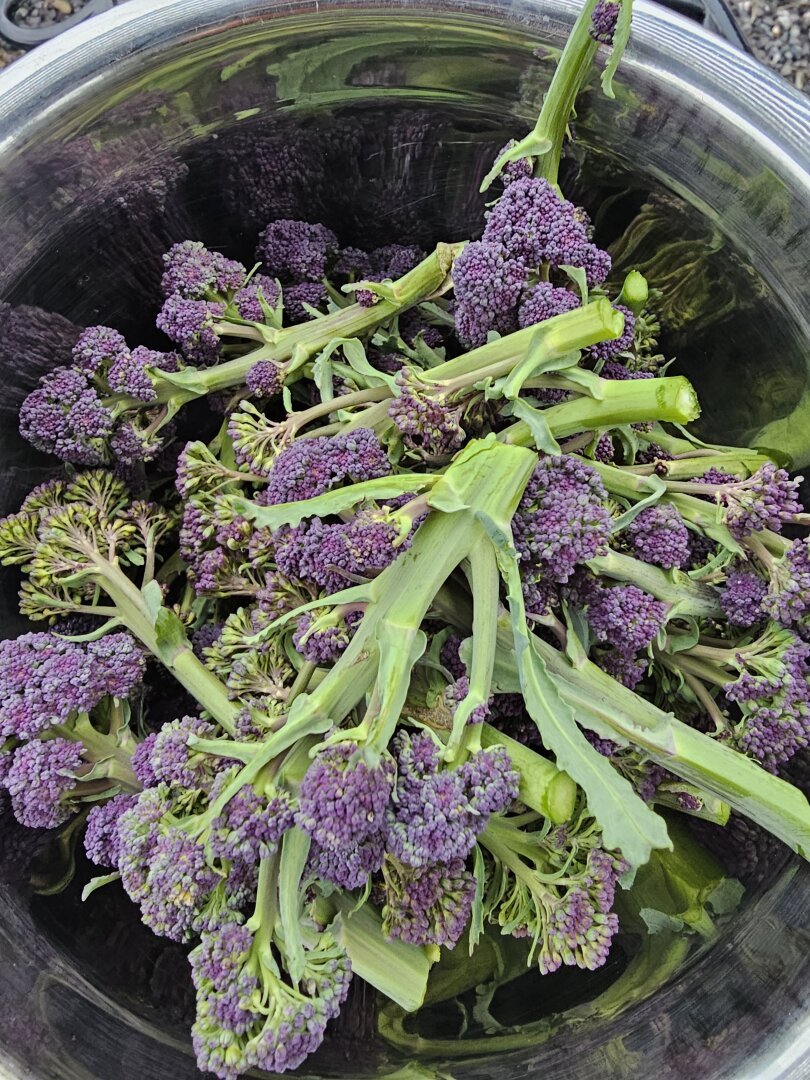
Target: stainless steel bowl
x=205, y=118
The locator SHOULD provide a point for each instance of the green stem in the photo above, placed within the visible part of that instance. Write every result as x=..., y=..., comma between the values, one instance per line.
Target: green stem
x=620, y=402
x=543, y=786
x=180, y=660
x=688, y=596
x=311, y=337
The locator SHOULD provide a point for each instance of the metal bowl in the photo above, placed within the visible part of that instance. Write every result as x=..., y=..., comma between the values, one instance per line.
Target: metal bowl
x=206, y=118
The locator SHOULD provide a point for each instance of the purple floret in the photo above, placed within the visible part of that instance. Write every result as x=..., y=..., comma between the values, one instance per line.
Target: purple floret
x=348, y=868
x=295, y=296
x=624, y=666
x=40, y=781
x=603, y=21
x=324, y=644
x=514, y=170
x=128, y=375
x=562, y=519
x=534, y=225
x=659, y=536
x=411, y=325
x=45, y=680
x=173, y=761
x=436, y=815
x=741, y=599
x=607, y=349
x=764, y=501
x=190, y=324
x=312, y=466
x=248, y=299
x=295, y=251
x=544, y=301
x=264, y=379
x=101, y=840
x=614, y=369
x=142, y=761
x=65, y=417
x=96, y=347
x=428, y=423
x=625, y=616
x=195, y=273
x=251, y=825
x=342, y=800
x=178, y=883
x=487, y=283
x=455, y=692
x=788, y=597
x=428, y=906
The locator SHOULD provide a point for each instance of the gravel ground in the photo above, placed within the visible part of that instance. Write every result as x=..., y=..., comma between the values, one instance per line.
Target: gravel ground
x=779, y=33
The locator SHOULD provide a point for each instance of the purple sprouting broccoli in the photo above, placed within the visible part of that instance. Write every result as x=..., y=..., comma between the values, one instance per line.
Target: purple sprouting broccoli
x=128, y=375
x=387, y=264
x=603, y=21
x=562, y=519
x=195, y=273
x=701, y=550
x=321, y=639
x=251, y=825
x=428, y=423
x=607, y=349
x=248, y=299
x=741, y=599
x=788, y=597
x=41, y=781
x=142, y=761
x=312, y=466
x=138, y=832
x=436, y=815
x=45, y=680
x=717, y=476
x=765, y=500
x=773, y=692
x=579, y=933
x=176, y=763
x=296, y=296
x=428, y=906
x=651, y=452
x=450, y=656
x=248, y=1014
x=334, y=556
x=190, y=324
x=353, y=263
x=349, y=868
x=514, y=170
x=264, y=379
x=659, y=536
x=543, y=301
x=456, y=691
x=533, y=225
x=411, y=325
x=101, y=840
x=65, y=417
x=177, y=886
x=296, y=251
x=624, y=666
x=604, y=451
x=625, y=616
x=98, y=347
x=614, y=369
x=342, y=799
x=487, y=283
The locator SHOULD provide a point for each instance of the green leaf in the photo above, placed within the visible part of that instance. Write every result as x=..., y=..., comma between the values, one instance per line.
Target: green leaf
x=538, y=425
x=627, y=822
x=331, y=502
x=153, y=600
x=294, y=851
x=657, y=488
x=356, y=356
x=188, y=379
x=621, y=36
x=537, y=361
x=476, y=928
x=170, y=635
x=398, y=970
x=98, y=883
x=658, y=922
x=726, y=897
x=579, y=278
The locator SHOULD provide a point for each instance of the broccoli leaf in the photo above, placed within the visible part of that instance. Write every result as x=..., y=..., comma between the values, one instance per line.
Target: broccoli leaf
x=294, y=851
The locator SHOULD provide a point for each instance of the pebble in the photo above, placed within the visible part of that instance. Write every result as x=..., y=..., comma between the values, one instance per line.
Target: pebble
x=779, y=34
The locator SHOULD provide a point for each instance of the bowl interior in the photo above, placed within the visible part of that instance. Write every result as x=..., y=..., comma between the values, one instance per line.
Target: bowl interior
x=380, y=122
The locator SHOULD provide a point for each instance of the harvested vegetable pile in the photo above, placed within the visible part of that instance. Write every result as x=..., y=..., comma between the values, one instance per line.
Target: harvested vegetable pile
x=466, y=621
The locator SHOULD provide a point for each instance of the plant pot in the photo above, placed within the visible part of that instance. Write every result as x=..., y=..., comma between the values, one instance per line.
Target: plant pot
x=207, y=118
